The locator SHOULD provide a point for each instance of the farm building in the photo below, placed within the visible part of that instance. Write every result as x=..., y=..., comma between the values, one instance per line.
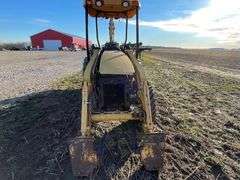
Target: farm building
x=52, y=40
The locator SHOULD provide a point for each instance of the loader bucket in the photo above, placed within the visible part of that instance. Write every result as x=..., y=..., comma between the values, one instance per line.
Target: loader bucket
x=152, y=151
x=83, y=157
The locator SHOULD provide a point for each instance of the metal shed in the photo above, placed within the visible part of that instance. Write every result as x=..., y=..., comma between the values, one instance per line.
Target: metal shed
x=52, y=40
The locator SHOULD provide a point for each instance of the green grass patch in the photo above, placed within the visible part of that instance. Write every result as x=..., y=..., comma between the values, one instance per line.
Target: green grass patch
x=70, y=82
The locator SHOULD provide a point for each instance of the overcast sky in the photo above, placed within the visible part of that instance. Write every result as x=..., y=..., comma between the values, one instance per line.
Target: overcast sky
x=181, y=23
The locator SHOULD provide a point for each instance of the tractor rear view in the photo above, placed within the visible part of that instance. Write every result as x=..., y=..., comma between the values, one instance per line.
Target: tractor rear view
x=114, y=89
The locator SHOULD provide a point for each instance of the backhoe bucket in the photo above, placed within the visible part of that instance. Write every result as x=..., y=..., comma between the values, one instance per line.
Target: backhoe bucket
x=152, y=151
x=83, y=157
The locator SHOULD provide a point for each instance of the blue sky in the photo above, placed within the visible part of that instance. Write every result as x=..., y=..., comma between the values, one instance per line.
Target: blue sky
x=183, y=23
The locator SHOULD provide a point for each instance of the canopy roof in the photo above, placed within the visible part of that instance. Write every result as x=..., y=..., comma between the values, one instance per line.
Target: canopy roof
x=112, y=8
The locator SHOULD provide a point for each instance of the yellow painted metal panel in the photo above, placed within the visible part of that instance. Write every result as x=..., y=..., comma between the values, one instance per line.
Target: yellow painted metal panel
x=116, y=62
x=90, y=67
x=109, y=117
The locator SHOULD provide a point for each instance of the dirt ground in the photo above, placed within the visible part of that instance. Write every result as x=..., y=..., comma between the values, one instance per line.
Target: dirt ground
x=220, y=59
x=226, y=63
x=198, y=101
x=198, y=107
x=26, y=72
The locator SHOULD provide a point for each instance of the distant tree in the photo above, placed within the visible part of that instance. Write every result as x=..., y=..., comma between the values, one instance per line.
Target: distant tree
x=14, y=46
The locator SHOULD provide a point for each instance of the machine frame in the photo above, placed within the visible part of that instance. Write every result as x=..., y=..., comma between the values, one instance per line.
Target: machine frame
x=84, y=158
x=88, y=118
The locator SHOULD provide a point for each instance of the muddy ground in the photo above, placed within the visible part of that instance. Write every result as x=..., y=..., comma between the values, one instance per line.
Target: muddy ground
x=198, y=109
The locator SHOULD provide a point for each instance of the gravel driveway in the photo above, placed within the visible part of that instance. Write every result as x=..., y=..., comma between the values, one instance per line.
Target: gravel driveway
x=23, y=73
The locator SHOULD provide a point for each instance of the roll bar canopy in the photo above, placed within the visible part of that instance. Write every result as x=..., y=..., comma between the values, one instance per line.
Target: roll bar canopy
x=112, y=8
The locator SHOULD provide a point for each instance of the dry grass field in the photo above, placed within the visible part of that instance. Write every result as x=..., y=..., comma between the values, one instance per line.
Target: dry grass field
x=197, y=95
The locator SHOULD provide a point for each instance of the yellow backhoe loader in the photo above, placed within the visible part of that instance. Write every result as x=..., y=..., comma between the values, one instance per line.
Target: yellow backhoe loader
x=114, y=89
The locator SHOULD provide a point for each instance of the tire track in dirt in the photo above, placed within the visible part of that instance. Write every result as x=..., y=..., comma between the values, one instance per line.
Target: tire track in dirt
x=231, y=73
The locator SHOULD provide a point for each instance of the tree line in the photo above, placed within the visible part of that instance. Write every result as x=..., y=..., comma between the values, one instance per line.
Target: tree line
x=20, y=46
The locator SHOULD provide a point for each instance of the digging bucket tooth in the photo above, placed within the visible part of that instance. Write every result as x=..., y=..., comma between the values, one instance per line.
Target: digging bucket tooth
x=83, y=157
x=152, y=151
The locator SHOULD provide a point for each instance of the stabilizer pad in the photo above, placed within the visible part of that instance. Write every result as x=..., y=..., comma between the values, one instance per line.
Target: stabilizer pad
x=152, y=151
x=83, y=157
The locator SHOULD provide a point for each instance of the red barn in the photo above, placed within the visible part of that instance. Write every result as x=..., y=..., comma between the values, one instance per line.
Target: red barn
x=52, y=40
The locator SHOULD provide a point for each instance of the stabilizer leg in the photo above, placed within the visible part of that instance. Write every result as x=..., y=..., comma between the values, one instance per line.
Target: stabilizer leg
x=82, y=149
x=152, y=147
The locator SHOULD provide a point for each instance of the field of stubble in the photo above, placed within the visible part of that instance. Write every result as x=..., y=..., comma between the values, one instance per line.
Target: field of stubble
x=197, y=95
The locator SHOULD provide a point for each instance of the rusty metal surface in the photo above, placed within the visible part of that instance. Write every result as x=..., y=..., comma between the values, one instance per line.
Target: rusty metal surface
x=152, y=151
x=83, y=157
x=112, y=9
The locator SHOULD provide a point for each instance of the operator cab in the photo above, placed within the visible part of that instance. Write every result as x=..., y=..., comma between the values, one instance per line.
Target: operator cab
x=115, y=85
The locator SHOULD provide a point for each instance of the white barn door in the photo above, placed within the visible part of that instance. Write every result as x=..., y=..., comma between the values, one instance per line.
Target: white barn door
x=52, y=45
